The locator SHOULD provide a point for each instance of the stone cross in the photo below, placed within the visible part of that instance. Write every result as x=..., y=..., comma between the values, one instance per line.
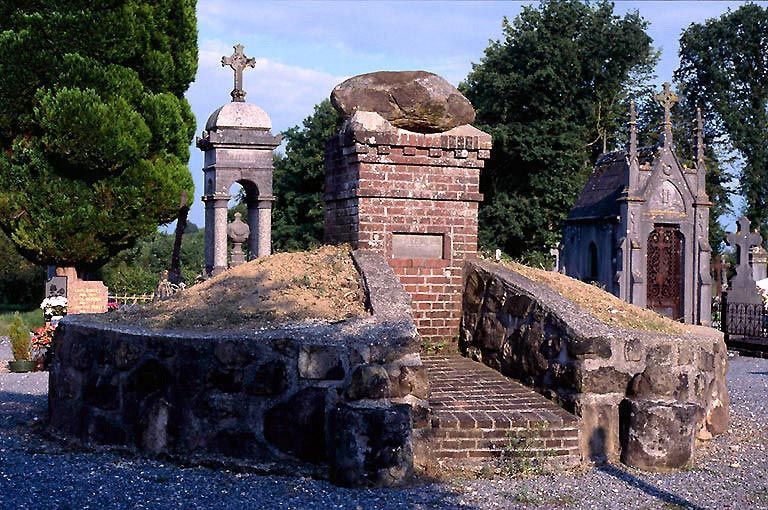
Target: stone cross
x=238, y=62
x=743, y=284
x=667, y=100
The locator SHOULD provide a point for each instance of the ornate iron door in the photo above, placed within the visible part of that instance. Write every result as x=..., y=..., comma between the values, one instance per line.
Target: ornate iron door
x=665, y=271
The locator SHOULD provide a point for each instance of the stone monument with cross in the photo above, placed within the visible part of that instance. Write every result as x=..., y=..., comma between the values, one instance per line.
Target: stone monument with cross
x=640, y=227
x=238, y=144
x=742, y=288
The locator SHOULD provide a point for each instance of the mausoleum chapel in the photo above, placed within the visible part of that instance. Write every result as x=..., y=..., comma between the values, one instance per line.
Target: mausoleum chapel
x=640, y=227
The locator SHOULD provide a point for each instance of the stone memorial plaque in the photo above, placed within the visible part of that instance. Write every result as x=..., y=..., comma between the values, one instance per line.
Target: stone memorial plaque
x=417, y=246
x=56, y=286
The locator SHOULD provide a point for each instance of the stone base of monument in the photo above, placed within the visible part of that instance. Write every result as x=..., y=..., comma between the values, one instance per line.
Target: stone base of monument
x=295, y=395
x=641, y=395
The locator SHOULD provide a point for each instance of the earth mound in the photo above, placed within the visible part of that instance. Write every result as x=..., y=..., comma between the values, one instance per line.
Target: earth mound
x=602, y=305
x=321, y=285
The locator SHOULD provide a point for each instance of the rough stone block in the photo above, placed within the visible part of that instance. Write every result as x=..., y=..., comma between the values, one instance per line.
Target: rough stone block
x=658, y=436
x=599, y=426
x=269, y=378
x=369, y=382
x=320, y=362
x=297, y=426
x=372, y=445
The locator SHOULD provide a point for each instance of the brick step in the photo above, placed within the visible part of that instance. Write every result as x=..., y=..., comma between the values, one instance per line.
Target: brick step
x=479, y=414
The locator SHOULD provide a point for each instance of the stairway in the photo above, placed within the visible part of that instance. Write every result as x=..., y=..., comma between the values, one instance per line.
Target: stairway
x=479, y=414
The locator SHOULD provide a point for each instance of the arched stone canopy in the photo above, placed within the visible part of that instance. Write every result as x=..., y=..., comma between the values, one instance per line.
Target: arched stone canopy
x=238, y=144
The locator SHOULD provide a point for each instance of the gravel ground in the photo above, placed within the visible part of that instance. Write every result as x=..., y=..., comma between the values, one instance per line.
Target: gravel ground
x=730, y=472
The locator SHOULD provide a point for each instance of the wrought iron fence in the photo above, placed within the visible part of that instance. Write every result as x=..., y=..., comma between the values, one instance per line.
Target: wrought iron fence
x=748, y=320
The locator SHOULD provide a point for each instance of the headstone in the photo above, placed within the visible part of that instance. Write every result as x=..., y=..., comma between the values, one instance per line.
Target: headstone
x=758, y=258
x=238, y=232
x=56, y=286
x=742, y=286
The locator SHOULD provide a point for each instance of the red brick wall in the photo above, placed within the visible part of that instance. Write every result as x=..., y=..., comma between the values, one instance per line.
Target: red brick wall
x=380, y=183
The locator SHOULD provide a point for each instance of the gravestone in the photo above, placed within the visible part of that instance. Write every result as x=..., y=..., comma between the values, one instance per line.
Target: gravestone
x=758, y=258
x=238, y=144
x=742, y=288
x=56, y=286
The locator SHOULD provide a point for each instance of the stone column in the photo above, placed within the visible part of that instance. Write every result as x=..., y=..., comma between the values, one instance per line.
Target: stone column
x=209, y=229
x=264, y=229
x=220, y=201
x=253, y=223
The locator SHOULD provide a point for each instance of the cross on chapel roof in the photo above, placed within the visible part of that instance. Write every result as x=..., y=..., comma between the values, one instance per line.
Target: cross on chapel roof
x=238, y=62
x=667, y=99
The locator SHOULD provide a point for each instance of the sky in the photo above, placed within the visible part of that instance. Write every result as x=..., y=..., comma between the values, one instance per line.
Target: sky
x=304, y=49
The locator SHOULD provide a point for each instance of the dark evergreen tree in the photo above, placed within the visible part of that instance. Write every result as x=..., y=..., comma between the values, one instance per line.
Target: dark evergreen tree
x=94, y=128
x=298, y=212
x=554, y=94
x=724, y=70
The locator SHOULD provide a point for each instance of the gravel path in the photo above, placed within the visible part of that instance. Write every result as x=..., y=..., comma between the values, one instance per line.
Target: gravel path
x=731, y=471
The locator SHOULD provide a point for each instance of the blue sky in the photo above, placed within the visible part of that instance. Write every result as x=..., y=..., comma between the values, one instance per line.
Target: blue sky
x=303, y=49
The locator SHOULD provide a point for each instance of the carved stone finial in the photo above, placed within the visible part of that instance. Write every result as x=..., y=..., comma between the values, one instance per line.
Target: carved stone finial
x=238, y=232
x=238, y=62
x=667, y=99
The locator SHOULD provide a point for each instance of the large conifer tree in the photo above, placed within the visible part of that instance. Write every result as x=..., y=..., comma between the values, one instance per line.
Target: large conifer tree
x=94, y=128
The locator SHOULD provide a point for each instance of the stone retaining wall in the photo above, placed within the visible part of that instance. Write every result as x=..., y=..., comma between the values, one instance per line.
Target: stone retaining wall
x=641, y=396
x=341, y=395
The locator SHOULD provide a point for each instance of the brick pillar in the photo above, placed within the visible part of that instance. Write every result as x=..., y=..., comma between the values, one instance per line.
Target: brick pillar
x=412, y=197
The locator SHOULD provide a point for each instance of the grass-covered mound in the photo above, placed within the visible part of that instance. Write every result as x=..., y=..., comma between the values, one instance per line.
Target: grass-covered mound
x=321, y=284
x=602, y=305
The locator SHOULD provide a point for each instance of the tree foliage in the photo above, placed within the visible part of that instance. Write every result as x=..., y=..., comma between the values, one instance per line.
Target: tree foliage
x=137, y=270
x=94, y=128
x=298, y=212
x=553, y=94
x=21, y=282
x=724, y=70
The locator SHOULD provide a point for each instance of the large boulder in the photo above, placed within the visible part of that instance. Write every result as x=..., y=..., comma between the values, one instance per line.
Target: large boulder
x=414, y=100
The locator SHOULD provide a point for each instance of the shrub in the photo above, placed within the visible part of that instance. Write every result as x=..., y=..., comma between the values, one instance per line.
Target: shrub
x=20, y=342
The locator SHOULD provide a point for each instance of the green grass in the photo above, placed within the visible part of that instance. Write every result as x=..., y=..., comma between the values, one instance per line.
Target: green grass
x=33, y=319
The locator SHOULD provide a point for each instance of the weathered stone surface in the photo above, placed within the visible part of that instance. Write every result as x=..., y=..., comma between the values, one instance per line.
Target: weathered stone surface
x=369, y=382
x=599, y=426
x=602, y=380
x=297, y=426
x=588, y=366
x=414, y=100
x=660, y=383
x=373, y=445
x=659, y=436
x=266, y=379
x=233, y=393
x=408, y=380
x=320, y=362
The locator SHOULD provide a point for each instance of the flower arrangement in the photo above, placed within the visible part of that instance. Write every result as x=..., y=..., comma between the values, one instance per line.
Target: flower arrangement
x=112, y=306
x=42, y=339
x=54, y=307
